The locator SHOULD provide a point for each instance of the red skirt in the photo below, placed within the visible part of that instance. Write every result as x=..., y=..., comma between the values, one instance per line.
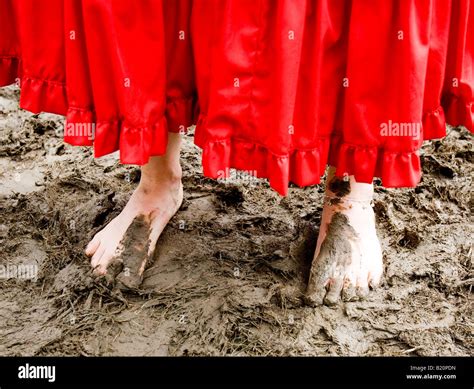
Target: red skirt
x=280, y=88
x=121, y=75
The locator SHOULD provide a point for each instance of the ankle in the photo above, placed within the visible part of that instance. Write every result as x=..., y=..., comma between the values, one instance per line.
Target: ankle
x=167, y=173
x=160, y=179
x=348, y=188
x=331, y=199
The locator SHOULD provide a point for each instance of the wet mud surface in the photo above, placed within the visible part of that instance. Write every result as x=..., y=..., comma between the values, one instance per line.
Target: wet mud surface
x=230, y=270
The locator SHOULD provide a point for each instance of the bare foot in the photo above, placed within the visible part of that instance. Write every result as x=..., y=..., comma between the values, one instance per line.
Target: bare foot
x=348, y=256
x=128, y=242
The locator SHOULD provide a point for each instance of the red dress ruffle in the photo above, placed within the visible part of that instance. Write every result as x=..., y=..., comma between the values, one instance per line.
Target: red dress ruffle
x=121, y=75
x=283, y=90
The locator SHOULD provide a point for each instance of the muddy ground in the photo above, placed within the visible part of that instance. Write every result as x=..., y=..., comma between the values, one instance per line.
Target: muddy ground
x=231, y=267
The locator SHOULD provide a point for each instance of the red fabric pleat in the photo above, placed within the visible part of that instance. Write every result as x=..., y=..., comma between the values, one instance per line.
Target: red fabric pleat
x=80, y=126
x=39, y=32
x=181, y=92
x=9, y=48
x=458, y=98
x=127, y=70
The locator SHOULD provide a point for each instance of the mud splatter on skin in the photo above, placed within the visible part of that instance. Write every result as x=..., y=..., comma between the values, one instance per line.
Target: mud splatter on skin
x=340, y=187
x=247, y=301
x=334, y=256
x=134, y=257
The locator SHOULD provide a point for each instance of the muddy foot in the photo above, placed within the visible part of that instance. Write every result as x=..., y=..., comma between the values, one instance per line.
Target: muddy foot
x=129, y=240
x=348, y=257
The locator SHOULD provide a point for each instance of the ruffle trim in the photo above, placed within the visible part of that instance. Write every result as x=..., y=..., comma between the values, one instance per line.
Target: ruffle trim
x=302, y=167
x=43, y=96
x=453, y=110
x=396, y=169
x=434, y=124
x=458, y=111
x=36, y=95
x=136, y=143
x=306, y=167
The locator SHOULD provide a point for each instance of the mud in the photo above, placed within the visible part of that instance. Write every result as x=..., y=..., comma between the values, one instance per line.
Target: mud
x=134, y=256
x=230, y=270
x=340, y=187
x=335, y=252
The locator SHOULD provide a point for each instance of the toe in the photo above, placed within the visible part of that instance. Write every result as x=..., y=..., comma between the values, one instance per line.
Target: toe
x=96, y=261
x=374, y=282
x=334, y=293
x=97, y=255
x=100, y=270
x=315, y=293
x=103, y=263
x=375, y=277
x=362, y=291
x=349, y=291
x=92, y=246
x=362, y=284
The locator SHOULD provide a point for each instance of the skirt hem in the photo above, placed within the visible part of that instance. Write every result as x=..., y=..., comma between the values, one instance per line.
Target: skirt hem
x=306, y=167
x=136, y=143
